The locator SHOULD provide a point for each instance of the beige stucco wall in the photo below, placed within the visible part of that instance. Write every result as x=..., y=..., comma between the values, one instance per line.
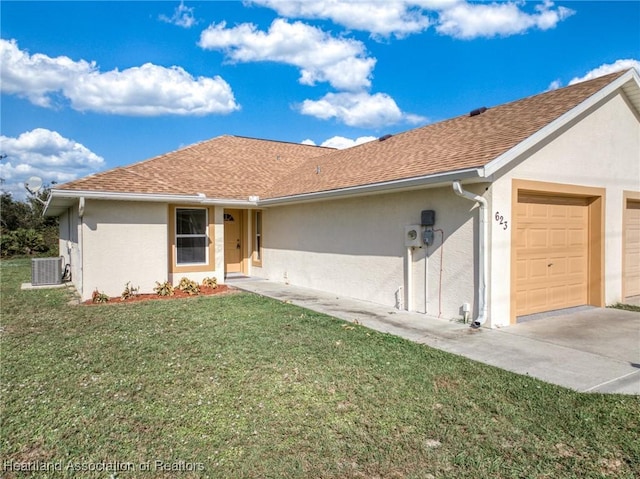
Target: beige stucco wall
x=602, y=150
x=355, y=247
x=123, y=241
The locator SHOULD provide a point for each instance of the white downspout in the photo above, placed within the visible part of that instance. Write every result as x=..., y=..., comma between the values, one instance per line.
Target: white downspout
x=81, y=205
x=483, y=266
x=409, y=278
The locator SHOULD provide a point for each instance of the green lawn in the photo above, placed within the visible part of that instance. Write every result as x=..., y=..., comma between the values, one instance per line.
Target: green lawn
x=242, y=386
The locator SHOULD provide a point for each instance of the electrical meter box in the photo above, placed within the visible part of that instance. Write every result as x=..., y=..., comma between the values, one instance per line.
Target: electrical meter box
x=413, y=236
x=428, y=217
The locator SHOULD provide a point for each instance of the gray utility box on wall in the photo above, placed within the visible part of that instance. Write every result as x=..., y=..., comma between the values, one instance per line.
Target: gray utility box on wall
x=46, y=271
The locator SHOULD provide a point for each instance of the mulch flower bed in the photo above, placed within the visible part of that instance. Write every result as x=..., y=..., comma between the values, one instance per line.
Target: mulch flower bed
x=177, y=294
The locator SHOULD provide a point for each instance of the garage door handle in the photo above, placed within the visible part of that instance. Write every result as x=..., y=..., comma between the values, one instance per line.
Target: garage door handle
x=550, y=264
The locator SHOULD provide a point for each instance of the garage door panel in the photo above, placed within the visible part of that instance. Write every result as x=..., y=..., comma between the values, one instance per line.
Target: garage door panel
x=536, y=238
x=557, y=295
x=553, y=258
x=557, y=267
x=521, y=270
x=537, y=269
x=632, y=248
x=537, y=212
x=576, y=237
x=558, y=238
x=537, y=297
x=577, y=266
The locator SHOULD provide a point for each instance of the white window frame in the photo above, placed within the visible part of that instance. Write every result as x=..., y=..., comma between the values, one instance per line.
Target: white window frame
x=205, y=235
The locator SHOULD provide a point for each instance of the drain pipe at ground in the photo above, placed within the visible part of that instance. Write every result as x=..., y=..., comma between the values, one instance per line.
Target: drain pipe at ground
x=483, y=265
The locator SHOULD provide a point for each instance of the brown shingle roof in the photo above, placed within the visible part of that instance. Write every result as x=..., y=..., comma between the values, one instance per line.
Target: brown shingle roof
x=451, y=145
x=230, y=167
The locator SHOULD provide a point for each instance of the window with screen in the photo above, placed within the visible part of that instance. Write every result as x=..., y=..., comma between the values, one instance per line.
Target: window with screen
x=191, y=236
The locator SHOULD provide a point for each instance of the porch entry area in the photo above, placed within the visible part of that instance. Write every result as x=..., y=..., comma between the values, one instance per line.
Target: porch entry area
x=238, y=247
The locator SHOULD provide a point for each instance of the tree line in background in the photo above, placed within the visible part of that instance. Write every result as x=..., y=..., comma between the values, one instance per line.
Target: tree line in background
x=24, y=230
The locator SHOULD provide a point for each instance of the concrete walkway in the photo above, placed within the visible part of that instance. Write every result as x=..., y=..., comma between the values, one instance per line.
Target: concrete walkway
x=590, y=350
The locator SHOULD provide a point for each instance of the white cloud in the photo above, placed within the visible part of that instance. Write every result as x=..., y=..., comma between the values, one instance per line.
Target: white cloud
x=182, y=16
x=554, y=85
x=148, y=90
x=607, y=68
x=341, y=143
x=457, y=18
x=46, y=154
x=358, y=109
x=151, y=90
x=321, y=58
x=380, y=18
x=467, y=21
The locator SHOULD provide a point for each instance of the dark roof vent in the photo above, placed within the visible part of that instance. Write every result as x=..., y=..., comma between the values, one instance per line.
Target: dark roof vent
x=478, y=111
x=385, y=137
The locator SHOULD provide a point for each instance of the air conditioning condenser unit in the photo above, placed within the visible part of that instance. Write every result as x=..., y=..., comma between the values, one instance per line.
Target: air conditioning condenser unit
x=46, y=271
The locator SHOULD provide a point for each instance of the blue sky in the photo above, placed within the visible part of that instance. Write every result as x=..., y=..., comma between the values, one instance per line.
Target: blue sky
x=88, y=86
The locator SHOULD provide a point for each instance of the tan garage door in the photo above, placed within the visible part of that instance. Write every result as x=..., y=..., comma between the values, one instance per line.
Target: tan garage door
x=552, y=253
x=632, y=248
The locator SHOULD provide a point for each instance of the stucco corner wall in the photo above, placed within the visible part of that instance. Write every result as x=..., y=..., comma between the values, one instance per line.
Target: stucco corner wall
x=121, y=242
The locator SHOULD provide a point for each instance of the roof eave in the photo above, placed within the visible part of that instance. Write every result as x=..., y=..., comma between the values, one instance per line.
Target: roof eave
x=507, y=157
x=59, y=200
x=434, y=180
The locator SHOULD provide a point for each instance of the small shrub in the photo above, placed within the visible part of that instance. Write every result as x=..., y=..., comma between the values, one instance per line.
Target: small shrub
x=210, y=283
x=98, y=297
x=189, y=286
x=164, y=289
x=129, y=291
x=626, y=307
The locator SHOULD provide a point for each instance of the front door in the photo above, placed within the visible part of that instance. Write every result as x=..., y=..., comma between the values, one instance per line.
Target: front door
x=232, y=241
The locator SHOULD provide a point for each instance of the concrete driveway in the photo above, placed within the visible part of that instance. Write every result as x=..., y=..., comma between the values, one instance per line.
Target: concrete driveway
x=589, y=350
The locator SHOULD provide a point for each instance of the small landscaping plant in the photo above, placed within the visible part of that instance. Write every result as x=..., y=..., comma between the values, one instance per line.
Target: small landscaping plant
x=210, y=283
x=163, y=289
x=626, y=307
x=129, y=291
x=98, y=297
x=189, y=286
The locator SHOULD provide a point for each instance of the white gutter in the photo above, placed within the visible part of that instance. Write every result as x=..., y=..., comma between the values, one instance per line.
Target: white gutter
x=157, y=198
x=163, y=198
x=483, y=265
x=405, y=183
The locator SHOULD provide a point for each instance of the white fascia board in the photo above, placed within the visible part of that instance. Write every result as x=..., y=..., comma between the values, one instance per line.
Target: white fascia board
x=155, y=198
x=115, y=196
x=383, y=187
x=501, y=161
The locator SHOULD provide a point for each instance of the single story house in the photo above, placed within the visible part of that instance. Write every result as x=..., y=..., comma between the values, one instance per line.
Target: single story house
x=511, y=210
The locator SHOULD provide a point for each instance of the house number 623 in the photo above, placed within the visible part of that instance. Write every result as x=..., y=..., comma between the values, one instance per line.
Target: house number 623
x=500, y=219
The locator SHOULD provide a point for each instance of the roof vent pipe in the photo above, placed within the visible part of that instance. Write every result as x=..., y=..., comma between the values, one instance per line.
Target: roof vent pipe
x=384, y=137
x=483, y=264
x=478, y=111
